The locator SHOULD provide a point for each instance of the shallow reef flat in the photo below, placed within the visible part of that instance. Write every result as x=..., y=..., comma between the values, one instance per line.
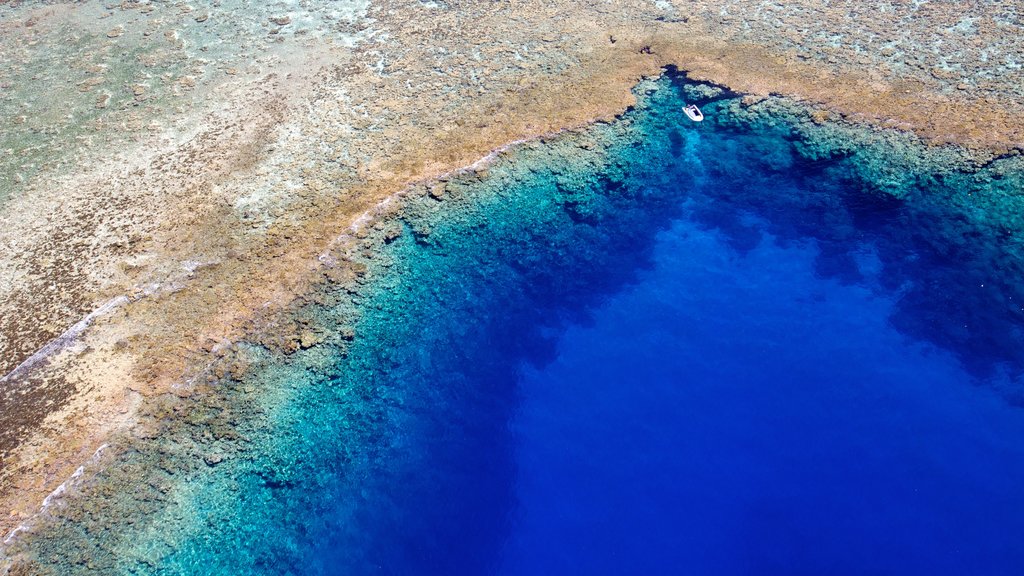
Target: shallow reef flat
x=200, y=203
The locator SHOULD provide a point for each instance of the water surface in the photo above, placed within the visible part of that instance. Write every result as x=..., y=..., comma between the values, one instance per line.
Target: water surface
x=737, y=413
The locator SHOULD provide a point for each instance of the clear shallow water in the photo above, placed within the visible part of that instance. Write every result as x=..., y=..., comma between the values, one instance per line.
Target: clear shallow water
x=758, y=345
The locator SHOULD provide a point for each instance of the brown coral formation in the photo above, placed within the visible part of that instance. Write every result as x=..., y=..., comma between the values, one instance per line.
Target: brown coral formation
x=186, y=172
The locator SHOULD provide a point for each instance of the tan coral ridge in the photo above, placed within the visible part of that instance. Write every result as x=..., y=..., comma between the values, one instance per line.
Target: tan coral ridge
x=219, y=220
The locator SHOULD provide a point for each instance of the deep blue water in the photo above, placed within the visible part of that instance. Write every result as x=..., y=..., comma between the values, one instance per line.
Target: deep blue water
x=758, y=345
x=739, y=414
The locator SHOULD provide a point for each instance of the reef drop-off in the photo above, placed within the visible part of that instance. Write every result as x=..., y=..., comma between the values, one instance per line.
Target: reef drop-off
x=369, y=427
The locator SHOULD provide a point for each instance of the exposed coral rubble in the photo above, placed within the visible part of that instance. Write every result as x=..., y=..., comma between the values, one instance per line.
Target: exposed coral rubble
x=188, y=170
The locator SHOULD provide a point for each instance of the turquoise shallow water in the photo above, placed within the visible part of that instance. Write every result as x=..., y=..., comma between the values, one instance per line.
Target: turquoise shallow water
x=757, y=345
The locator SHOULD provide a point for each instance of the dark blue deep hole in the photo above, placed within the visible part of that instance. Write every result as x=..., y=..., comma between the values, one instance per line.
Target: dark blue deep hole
x=719, y=358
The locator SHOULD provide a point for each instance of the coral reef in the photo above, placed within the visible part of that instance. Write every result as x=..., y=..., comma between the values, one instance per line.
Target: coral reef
x=309, y=427
x=194, y=173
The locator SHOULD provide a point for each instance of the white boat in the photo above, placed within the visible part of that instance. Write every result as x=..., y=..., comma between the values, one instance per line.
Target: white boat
x=694, y=113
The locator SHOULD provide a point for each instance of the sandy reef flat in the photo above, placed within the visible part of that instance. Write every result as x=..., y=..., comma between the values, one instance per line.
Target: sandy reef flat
x=173, y=176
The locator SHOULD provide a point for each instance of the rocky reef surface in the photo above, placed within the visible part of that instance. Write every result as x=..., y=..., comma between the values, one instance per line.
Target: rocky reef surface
x=178, y=179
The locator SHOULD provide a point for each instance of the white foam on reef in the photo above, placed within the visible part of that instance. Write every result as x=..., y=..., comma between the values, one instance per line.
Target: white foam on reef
x=57, y=493
x=66, y=338
x=71, y=334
